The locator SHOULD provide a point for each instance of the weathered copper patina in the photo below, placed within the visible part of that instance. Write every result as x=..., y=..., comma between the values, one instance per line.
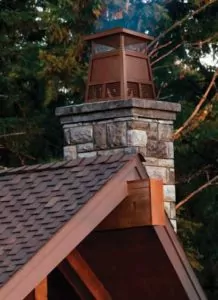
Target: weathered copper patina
x=119, y=67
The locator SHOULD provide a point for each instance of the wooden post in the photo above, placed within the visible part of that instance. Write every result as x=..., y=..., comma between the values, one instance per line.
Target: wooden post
x=41, y=291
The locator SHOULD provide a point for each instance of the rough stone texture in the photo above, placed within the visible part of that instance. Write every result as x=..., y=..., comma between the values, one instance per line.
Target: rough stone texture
x=116, y=134
x=85, y=147
x=79, y=135
x=172, y=210
x=118, y=104
x=153, y=161
x=87, y=154
x=100, y=136
x=157, y=172
x=70, y=152
x=91, y=112
x=170, y=193
x=161, y=149
x=137, y=137
x=174, y=224
x=165, y=132
x=167, y=207
x=149, y=127
x=129, y=126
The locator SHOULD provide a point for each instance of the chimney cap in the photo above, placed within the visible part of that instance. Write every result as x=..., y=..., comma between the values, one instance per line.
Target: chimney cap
x=119, y=30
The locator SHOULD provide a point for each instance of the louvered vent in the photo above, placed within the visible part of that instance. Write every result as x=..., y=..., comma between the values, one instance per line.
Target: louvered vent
x=147, y=91
x=95, y=92
x=133, y=89
x=112, y=90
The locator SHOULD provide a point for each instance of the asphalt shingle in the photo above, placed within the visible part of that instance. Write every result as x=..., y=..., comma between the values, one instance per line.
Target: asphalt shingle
x=36, y=201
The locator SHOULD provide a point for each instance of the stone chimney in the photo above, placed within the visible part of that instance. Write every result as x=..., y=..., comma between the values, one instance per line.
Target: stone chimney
x=131, y=125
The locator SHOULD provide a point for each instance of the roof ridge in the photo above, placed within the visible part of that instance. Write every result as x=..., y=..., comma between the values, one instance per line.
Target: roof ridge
x=67, y=163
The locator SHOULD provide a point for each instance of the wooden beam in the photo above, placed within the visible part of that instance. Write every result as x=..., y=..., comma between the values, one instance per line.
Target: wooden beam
x=87, y=276
x=143, y=206
x=41, y=291
x=74, y=280
x=30, y=296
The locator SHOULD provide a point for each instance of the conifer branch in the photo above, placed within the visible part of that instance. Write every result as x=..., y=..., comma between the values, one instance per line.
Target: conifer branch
x=195, y=192
x=180, y=22
x=166, y=54
x=206, y=41
x=12, y=134
x=156, y=49
x=179, y=131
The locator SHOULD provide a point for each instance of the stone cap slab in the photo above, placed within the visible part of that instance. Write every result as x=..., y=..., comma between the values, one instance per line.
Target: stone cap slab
x=118, y=109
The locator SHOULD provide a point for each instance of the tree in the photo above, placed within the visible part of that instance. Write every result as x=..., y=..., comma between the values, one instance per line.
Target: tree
x=43, y=64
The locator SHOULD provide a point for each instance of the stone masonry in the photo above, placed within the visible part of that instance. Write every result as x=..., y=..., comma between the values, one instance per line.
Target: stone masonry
x=130, y=126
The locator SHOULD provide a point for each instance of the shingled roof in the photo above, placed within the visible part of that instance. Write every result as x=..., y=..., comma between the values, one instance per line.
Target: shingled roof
x=36, y=201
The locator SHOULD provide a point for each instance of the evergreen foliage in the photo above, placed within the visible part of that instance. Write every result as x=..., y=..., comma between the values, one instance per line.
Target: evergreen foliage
x=43, y=65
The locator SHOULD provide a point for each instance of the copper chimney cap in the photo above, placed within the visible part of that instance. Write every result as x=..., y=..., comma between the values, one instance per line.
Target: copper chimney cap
x=119, y=67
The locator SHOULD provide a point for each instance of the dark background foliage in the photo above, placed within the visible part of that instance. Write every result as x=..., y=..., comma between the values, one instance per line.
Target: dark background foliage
x=43, y=64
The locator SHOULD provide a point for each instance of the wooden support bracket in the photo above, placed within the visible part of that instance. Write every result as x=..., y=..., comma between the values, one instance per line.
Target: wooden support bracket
x=88, y=286
x=143, y=206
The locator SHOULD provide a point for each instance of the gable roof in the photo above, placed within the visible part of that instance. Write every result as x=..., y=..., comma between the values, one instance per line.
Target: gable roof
x=37, y=203
x=47, y=210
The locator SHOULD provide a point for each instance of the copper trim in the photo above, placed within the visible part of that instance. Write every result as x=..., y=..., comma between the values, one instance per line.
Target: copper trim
x=114, y=31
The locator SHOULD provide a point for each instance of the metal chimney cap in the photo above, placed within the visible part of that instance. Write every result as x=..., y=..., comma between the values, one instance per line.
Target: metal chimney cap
x=119, y=30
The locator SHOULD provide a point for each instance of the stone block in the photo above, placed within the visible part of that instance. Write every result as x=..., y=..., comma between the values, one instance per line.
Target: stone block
x=111, y=151
x=100, y=136
x=171, y=175
x=137, y=138
x=165, y=132
x=116, y=134
x=172, y=210
x=157, y=172
x=153, y=161
x=70, y=152
x=79, y=135
x=152, y=148
x=169, y=150
x=163, y=150
x=85, y=147
x=149, y=127
x=174, y=224
x=167, y=207
x=87, y=154
x=169, y=193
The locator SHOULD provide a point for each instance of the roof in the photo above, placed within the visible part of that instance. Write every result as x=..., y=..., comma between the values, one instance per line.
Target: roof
x=118, y=30
x=46, y=211
x=36, y=201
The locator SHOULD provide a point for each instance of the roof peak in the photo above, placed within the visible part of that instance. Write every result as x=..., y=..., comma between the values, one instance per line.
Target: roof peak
x=68, y=163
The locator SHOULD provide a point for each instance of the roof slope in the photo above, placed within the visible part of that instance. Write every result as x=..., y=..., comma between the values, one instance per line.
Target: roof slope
x=36, y=201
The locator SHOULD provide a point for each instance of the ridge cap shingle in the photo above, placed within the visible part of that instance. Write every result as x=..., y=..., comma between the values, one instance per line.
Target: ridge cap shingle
x=67, y=164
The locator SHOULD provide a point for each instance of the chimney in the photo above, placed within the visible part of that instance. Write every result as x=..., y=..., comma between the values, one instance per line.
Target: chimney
x=120, y=113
